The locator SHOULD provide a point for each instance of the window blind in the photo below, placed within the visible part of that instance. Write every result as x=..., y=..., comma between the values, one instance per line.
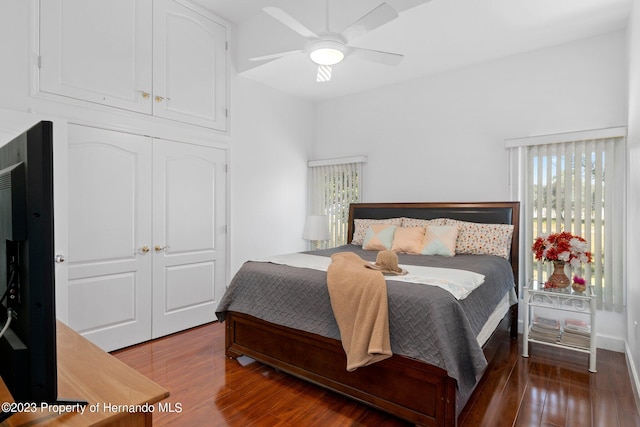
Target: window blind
x=577, y=186
x=334, y=185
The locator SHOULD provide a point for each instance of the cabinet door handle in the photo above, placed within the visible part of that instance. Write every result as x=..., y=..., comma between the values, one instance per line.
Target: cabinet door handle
x=159, y=248
x=159, y=98
x=144, y=94
x=145, y=249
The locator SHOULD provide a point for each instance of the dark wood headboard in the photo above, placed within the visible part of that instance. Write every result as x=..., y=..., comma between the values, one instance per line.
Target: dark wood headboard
x=484, y=212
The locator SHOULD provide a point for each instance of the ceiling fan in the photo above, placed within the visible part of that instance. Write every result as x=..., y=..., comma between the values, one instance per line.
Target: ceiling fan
x=329, y=48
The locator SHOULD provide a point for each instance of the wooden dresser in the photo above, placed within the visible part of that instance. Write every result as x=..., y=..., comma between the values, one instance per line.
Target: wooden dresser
x=86, y=372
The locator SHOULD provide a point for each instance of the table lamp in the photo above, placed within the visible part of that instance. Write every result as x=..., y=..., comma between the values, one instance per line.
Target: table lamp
x=316, y=229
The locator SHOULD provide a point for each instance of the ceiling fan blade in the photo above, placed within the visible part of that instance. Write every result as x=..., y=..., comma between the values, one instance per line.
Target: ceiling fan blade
x=275, y=55
x=372, y=20
x=387, y=58
x=402, y=5
x=290, y=21
x=324, y=73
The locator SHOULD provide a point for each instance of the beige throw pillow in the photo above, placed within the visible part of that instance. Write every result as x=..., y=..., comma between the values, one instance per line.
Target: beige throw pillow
x=408, y=240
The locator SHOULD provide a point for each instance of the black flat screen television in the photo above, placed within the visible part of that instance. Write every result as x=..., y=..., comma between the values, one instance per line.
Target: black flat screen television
x=28, y=364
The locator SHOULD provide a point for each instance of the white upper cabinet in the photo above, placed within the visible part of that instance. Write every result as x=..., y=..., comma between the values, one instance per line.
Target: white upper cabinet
x=98, y=51
x=167, y=58
x=189, y=57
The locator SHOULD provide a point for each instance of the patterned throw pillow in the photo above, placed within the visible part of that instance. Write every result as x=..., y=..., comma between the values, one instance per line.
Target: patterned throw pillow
x=440, y=240
x=361, y=226
x=408, y=240
x=379, y=237
x=416, y=222
x=479, y=239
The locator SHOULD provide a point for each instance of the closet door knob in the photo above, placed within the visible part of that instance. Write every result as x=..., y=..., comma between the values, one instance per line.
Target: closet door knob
x=159, y=248
x=144, y=249
x=144, y=94
x=59, y=259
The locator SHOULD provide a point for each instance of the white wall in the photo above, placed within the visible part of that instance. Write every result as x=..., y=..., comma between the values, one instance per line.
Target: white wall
x=633, y=191
x=426, y=137
x=14, y=53
x=441, y=138
x=271, y=137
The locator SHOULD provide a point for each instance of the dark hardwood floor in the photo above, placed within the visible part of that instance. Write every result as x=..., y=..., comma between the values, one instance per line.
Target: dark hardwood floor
x=550, y=388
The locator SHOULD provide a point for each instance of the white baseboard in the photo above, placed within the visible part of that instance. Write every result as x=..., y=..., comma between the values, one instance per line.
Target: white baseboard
x=611, y=343
x=633, y=376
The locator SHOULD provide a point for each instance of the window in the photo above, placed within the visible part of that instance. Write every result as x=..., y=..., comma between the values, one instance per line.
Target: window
x=575, y=182
x=333, y=185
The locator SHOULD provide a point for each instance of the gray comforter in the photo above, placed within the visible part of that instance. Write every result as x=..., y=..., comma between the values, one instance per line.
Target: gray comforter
x=425, y=322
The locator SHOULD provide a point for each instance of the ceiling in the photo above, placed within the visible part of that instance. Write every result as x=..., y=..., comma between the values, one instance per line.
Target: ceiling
x=434, y=36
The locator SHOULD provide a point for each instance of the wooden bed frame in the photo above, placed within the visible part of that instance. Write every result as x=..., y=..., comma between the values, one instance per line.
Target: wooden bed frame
x=407, y=388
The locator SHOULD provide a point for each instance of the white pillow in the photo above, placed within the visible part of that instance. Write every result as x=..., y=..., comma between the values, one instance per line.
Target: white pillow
x=478, y=238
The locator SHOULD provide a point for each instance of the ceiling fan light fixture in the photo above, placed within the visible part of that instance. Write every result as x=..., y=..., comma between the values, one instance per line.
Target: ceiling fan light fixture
x=327, y=52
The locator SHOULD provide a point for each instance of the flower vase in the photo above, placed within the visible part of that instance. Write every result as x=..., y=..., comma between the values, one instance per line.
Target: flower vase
x=558, y=277
x=579, y=287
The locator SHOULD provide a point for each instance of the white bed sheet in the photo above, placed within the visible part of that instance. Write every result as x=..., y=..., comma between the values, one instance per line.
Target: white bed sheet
x=498, y=314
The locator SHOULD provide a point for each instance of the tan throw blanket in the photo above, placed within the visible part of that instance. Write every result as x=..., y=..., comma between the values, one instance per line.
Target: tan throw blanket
x=359, y=302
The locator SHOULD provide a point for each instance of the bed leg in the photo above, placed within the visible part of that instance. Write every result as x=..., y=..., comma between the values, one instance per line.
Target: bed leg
x=229, y=341
x=232, y=354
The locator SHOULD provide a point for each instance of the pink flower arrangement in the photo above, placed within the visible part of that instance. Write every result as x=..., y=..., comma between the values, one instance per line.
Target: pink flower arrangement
x=578, y=280
x=562, y=247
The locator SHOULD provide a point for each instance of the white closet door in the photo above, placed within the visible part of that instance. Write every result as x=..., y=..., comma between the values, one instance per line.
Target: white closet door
x=189, y=60
x=97, y=50
x=109, y=289
x=189, y=275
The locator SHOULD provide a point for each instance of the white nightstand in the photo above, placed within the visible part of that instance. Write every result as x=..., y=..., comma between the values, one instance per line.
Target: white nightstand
x=564, y=300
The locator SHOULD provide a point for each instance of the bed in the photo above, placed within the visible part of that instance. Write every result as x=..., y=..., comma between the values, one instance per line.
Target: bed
x=277, y=314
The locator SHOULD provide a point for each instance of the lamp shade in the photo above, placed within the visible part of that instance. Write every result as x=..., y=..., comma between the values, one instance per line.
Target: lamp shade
x=316, y=227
